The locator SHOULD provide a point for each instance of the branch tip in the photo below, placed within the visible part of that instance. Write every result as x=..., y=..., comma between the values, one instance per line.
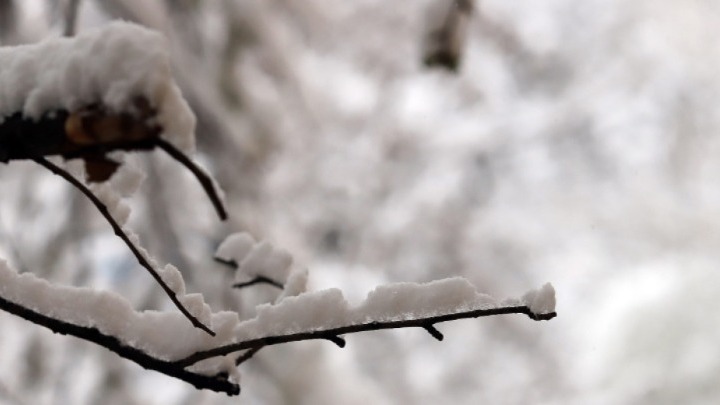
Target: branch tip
x=430, y=328
x=259, y=280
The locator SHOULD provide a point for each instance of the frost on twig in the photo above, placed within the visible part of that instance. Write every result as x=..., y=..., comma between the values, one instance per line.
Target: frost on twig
x=162, y=341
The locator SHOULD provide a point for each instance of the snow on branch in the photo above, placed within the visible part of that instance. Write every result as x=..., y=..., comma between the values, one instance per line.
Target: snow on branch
x=103, y=91
x=164, y=342
x=111, y=90
x=257, y=263
x=109, y=67
x=138, y=252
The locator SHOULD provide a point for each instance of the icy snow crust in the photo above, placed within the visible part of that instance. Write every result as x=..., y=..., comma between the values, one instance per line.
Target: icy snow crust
x=109, y=66
x=169, y=335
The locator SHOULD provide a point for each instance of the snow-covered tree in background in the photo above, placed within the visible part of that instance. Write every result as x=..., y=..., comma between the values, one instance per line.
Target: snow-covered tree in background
x=575, y=143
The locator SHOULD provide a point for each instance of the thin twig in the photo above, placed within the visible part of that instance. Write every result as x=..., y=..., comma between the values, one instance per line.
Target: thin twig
x=111, y=343
x=259, y=280
x=202, y=177
x=226, y=262
x=71, y=12
x=247, y=355
x=333, y=333
x=122, y=235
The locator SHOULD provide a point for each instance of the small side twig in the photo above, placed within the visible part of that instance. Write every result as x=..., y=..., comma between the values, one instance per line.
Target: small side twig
x=111, y=343
x=122, y=235
x=247, y=355
x=71, y=12
x=433, y=332
x=259, y=280
x=202, y=177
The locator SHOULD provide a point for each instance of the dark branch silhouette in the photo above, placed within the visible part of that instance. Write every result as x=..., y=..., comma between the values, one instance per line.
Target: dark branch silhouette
x=221, y=382
x=333, y=334
x=247, y=355
x=259, y=280
x=122, y=235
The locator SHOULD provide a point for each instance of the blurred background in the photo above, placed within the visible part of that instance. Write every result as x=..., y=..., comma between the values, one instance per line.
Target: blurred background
x=509, y=142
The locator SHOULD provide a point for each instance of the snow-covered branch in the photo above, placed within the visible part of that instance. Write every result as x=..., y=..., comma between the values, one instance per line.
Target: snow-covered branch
x=198, y=380
x=161, y=341
x=111, y=108
x=124, y=99
x=140, y=255
x=334, y=334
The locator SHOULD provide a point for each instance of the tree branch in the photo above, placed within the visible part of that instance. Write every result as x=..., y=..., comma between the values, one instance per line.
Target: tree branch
x=202, y=177
x=333, y=334
x=23, y=291
x=122, y=235
x=259, y=280
x=111, y=343
x=247, y=355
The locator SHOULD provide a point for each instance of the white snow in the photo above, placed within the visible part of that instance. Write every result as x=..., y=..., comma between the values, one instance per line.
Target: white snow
x=195, y=304
x=127, y=178
x=296, y=284
x=172, y=277
x=542, y=300
x=255, y=259
x=235, y=247
x=402, y=300
x=110, y=66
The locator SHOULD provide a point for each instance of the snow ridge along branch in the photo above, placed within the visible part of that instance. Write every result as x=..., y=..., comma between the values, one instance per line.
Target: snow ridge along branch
x=334, y=334
x=150, y=338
